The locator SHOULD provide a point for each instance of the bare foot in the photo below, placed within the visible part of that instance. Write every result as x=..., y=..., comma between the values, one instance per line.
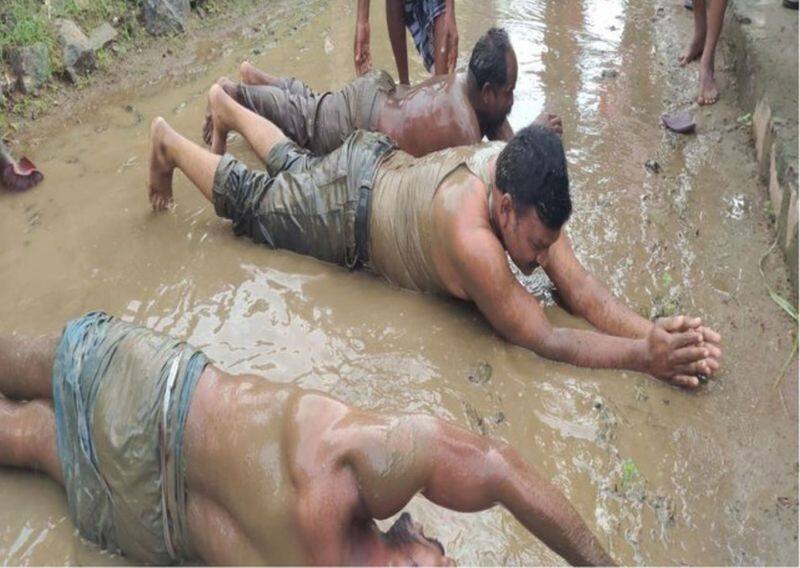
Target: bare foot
x=160, y=185
x=708, y=94
x=229, y=87
x=250, y=75
x=217, y=98
x=694, y=51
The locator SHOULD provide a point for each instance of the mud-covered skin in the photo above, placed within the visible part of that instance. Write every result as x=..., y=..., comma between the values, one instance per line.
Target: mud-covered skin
x=278, y=475
x=465, y=232
x=441, y=112
x=472, y=232
x=302, y=476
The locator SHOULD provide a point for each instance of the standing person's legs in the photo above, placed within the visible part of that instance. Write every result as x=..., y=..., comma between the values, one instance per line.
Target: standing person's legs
x=170, y=150
x=708, y=93
x=27, y=429
x=695, y=49
x=396, y=24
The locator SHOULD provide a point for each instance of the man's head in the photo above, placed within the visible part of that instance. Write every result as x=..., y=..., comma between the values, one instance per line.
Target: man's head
x=533, y=185
x=492, y=77
x=409, y=545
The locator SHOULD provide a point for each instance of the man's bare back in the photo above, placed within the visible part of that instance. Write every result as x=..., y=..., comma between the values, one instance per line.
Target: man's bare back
x=430, y=116
x=272, y=474
x=442, y=112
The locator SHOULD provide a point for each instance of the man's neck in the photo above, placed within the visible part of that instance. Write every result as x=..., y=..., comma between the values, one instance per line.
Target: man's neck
x=493, y=195
x=366, y=546
x=473, y=96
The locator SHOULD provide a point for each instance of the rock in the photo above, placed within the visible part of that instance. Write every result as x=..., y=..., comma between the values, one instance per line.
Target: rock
x=31, y=65
x=482, y=374
x=76, y=50
x=652, y=166
x=102, y=35
x=165, y=16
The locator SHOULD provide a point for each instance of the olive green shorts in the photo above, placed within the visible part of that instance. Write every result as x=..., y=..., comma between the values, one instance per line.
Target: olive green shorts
x=312, y=205
x=319, y=122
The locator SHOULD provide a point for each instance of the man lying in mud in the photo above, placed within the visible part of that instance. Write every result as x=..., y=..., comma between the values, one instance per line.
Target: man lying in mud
x=137, y=427
x=441, y=224
x=442, y=112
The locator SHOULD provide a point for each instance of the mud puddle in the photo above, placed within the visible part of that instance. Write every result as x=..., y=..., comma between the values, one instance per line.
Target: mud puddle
x=664, y=477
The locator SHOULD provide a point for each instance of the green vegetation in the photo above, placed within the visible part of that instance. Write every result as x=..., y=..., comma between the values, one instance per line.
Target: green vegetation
x=25, y=22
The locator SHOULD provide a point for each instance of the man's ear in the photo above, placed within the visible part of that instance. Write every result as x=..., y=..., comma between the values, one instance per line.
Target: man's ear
x=487, y=93
x=506, y=207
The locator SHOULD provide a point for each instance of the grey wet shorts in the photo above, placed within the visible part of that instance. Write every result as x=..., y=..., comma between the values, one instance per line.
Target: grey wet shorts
x=121, y=395
x=319, y=122
x=312, y=205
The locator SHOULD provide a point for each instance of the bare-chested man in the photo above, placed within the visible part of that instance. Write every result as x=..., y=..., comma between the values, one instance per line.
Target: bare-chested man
x=167, y=458
x=442, y=112
x=441, y=224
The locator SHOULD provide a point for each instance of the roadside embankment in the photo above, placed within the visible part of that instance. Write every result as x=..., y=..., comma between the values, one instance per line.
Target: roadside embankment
x=49, y=46
x=763, y=38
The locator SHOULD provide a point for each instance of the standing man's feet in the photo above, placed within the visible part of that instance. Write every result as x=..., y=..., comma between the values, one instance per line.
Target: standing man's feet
x=230, y=87
x=694, y=51
x=250, y=75
x=708, y=93
x=161, y=167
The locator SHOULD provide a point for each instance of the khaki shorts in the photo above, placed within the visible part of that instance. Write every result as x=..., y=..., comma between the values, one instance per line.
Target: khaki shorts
x=319, y=122
x=312, y=205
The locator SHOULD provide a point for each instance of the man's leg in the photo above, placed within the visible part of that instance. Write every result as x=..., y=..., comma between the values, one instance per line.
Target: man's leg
x=170, y=150
x=695, y=49
x=26, y=366
x=708, y=93
x=396, y=24
x=227, y=114
x=27, y=429
x=251, y=75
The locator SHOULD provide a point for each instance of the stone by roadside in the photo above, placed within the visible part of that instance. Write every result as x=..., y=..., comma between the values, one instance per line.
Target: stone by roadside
x=70, y=44
x=763, y=38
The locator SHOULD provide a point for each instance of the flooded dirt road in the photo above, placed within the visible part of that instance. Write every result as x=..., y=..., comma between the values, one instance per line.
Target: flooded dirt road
x=662, y=476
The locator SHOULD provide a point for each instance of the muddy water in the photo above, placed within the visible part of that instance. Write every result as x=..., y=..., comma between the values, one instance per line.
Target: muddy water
x=662, y=476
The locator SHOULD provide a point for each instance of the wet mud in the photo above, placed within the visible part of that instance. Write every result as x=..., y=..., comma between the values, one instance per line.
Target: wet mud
x=662, y=476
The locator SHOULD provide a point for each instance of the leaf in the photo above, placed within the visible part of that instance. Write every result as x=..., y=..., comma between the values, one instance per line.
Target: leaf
x=785, y=304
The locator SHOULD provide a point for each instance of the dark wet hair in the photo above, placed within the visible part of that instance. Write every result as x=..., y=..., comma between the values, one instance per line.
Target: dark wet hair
x=533, y=169
x=402, y=532
x=487, y=64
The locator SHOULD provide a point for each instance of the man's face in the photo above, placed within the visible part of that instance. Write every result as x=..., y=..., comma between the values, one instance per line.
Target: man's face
x=500, y=98
x=526, y=238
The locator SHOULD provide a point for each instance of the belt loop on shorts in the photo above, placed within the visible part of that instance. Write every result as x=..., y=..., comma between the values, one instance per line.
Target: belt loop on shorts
x=362, y=226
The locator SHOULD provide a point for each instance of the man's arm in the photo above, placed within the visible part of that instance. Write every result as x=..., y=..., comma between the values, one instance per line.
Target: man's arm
x=586, y=297
x=362, y=57
x=669, y=352
x=461, y=471
x=505, y=133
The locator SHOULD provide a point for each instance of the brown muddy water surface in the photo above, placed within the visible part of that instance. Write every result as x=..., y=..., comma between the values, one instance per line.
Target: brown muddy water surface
x=662, y=476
